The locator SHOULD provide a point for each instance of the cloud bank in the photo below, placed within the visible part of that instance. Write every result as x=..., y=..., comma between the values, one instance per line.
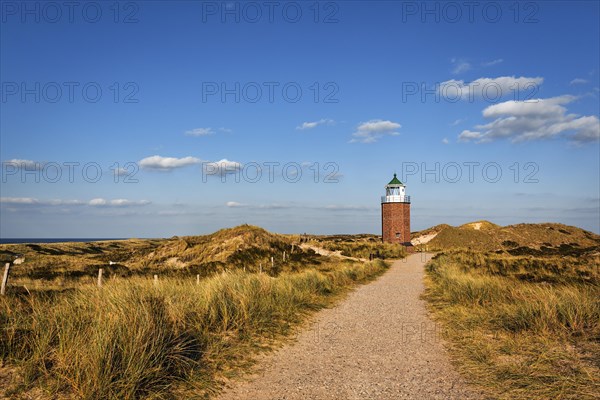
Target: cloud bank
x=530, y=120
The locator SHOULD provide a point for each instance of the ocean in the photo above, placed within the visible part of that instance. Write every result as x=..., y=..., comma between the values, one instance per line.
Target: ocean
x=52, y=240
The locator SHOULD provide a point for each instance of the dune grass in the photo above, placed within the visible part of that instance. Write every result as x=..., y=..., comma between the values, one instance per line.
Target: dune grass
x=177, y=339
x=517, y=329
x=531, y=239
x=244, y=246
x=362, y=248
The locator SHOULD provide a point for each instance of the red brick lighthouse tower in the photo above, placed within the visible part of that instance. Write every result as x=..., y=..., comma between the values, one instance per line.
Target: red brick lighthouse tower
x=395, y=213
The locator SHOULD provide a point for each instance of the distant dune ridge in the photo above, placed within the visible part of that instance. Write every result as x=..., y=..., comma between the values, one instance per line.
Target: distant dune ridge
x=248, y=246
x=519, y=239
x=244, y=246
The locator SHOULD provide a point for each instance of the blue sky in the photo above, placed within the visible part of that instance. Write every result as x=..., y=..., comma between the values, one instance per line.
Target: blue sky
x=150, y=118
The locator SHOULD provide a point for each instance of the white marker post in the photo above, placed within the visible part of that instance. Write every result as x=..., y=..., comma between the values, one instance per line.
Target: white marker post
x=5, y=279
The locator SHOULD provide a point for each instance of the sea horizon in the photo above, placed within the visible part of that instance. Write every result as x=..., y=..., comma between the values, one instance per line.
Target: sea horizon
x=55, y=240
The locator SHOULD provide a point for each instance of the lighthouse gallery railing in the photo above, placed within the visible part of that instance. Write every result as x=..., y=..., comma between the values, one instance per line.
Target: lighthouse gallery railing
x=395, y=199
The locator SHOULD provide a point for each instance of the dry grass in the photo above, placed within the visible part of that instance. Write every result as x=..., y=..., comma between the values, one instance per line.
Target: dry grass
x=178, y=339
x=522, y=328
x=244, y=246
x=359, y=246
x=533, y=239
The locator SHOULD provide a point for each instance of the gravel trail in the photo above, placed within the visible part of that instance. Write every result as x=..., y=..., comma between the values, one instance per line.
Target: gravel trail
x=377, y=344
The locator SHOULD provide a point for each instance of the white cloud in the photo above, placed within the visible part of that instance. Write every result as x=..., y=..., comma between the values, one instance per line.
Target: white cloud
x=59, y=202
x=19, y=200
x=587, y=129
x=578, y=81
x=445, y=141
x=373, y=130
x=32, y=201
x=200, y=132
x=97, y=202
x=234, y=204
x=221, y=167
x=167, y=163
x=457, y=121
x=460, y=66
x=533, y=120
x=314, y=124
x=122, y=172
x=493, y=62
x=535, y=107
x=100, y=202
x=492, y=88
x=25, y=164
x=467, y=135
x=206, y=131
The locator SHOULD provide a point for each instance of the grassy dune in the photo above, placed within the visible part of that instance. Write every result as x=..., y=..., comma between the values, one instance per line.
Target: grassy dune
x=521, y=327
x=520, y=239
x=178, y=339
x=245, y=246
x=359, y=246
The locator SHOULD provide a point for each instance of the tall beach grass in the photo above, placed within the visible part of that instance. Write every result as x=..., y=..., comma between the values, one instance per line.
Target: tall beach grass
x=517, y=328
x=136, y=339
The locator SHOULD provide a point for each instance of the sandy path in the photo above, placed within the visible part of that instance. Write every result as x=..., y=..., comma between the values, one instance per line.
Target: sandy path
x=377, y=344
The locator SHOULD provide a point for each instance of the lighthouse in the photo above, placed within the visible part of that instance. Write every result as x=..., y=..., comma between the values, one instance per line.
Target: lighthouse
x=395, y=213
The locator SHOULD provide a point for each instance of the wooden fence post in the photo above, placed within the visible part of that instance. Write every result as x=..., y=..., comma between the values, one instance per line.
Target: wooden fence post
x=260, y=268
x=197, y=279
x=284, y=255
x=155, y=280
x=5, y=279
x=100, y=277
x=272, y=263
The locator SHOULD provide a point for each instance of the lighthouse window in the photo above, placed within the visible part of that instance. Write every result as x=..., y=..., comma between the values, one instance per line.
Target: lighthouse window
x=398, y=235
